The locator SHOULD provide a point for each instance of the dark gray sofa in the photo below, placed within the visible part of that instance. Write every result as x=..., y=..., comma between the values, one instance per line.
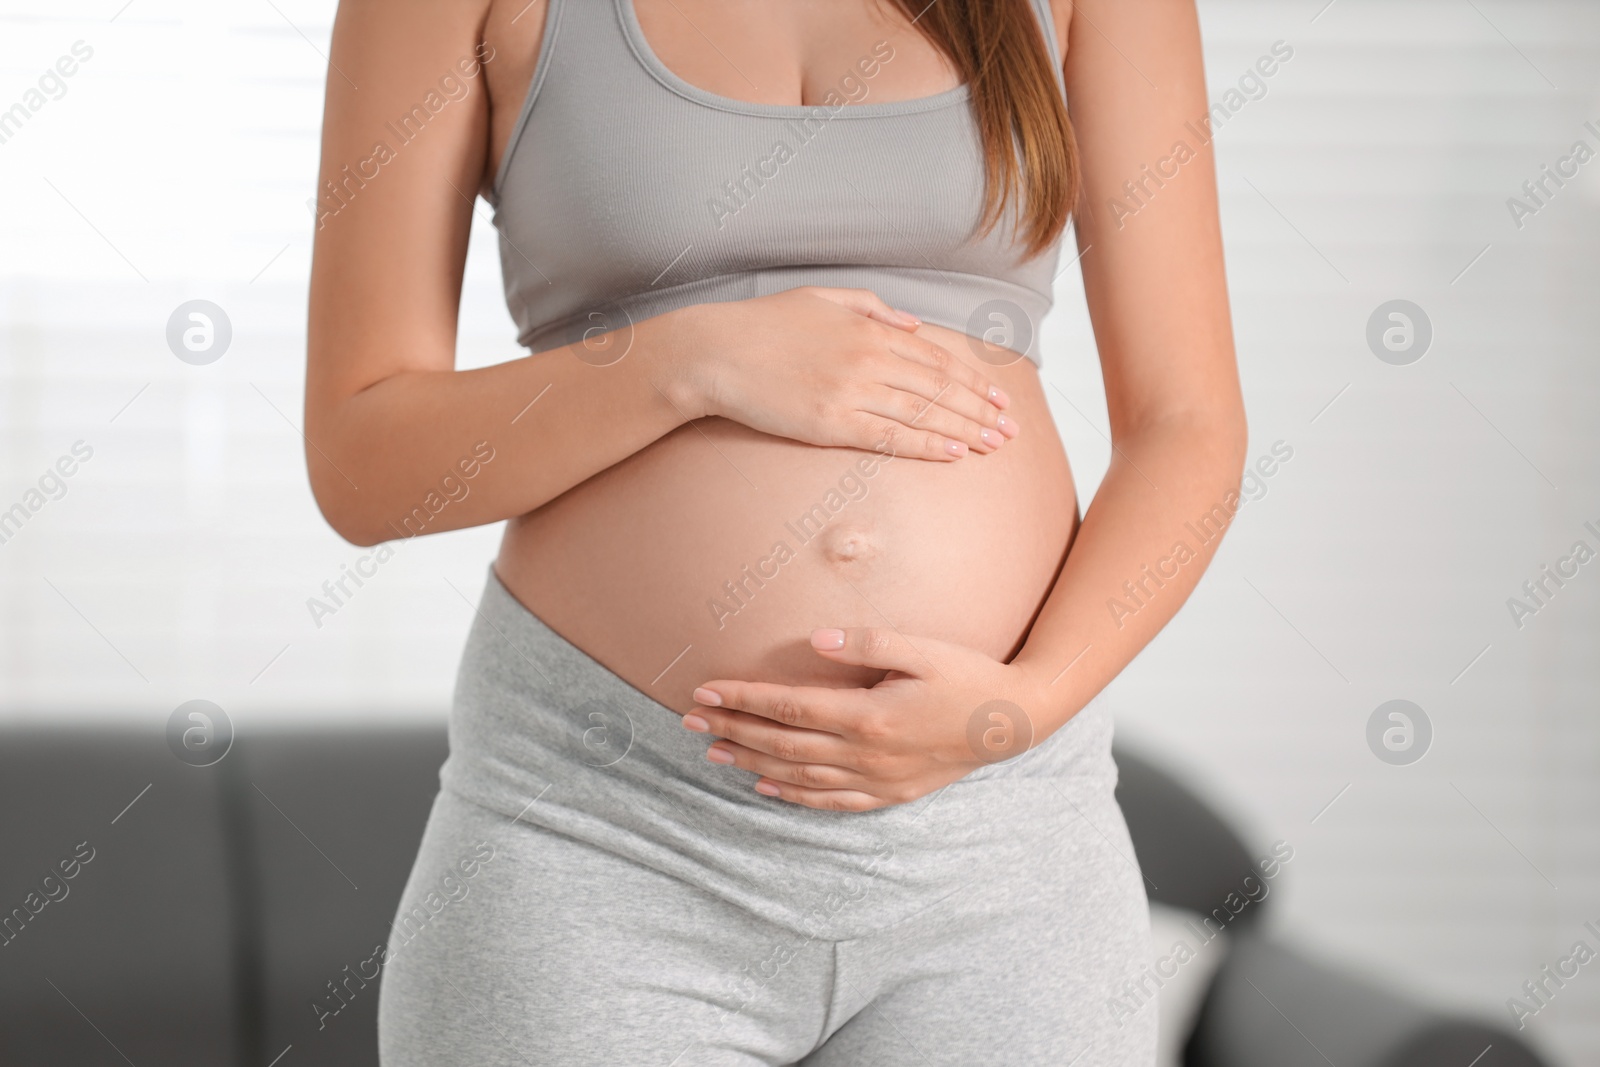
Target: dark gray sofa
x=220, y=904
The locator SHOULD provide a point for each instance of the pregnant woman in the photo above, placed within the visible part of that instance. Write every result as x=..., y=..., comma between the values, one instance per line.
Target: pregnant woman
x=775, y=740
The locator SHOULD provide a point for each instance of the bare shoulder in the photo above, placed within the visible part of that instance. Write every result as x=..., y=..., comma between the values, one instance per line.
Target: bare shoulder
x=403, y=151
x=1061, y=11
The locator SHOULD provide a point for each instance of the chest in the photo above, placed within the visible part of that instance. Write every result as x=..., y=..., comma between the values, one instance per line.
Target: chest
x=792, y=53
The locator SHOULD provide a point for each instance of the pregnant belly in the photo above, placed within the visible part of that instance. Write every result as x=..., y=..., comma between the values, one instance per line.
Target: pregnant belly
x=717, y=550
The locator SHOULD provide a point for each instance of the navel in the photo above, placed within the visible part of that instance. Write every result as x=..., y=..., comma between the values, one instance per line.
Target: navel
x=848, y=542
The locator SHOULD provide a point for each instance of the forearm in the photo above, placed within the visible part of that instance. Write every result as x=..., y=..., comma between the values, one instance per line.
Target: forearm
x=407, y=454
x=1149, y=534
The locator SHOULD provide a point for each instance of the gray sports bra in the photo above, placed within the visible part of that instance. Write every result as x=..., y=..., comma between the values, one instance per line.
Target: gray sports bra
x=626, y=192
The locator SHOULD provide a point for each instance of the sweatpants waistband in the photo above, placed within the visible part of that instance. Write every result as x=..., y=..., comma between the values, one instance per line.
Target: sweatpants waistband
x=541, y=732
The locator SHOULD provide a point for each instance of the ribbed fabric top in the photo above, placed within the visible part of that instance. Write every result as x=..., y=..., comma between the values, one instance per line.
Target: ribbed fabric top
x=626, y=192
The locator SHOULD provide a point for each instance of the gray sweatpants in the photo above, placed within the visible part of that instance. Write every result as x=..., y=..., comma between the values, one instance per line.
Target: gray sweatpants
x=590, y=890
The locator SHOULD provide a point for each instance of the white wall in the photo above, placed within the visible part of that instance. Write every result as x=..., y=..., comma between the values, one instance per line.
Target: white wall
x=1378, y=565
x=187, y=149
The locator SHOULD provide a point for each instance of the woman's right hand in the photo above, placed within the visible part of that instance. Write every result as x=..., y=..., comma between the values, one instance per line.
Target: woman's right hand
x=837, y=367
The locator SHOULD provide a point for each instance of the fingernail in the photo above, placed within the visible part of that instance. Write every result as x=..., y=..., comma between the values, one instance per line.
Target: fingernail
x=998, y=397
x=991, y=438
x=908, y=317
x=696, y=723
x=766, y=789
x=955, y=448
x=707, y=697
x=719, y=755
x=828, y=640
x=1009, y=427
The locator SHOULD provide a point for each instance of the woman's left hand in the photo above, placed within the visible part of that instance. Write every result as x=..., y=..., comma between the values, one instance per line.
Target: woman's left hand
x=942, y=711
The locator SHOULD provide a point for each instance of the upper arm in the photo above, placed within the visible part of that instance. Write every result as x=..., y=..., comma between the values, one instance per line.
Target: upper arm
x=1151, y=258
x=403, y=150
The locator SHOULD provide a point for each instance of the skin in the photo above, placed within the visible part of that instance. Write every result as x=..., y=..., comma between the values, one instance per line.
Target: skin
x=849, y=681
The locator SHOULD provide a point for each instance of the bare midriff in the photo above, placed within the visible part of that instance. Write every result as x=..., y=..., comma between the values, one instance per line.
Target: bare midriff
x=714, y=552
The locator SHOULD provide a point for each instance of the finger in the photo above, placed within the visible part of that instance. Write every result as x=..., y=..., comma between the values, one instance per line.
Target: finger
x=933, y=384
x=812, y=775
x=928, y=354
x=787, y=743
x=941, y=378
x=799, y=706
x=914, y=412
x=875, y=433
x=933, y=388
x=823, y=799
x=872, y=646
x=866, y=302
